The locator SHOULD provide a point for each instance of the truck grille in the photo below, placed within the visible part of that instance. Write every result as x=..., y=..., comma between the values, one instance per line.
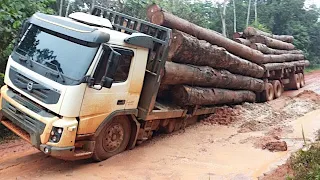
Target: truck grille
x=35, y=89
x=22, y=120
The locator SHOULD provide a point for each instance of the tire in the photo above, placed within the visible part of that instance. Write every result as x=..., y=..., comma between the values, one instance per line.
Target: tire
x=113, y=138
x=268, y=93
x=302, y=80
x=277, y=87
x=171, y=126
x=294, y=82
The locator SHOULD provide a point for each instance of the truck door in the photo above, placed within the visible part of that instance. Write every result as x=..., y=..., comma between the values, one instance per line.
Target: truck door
x=98, y=104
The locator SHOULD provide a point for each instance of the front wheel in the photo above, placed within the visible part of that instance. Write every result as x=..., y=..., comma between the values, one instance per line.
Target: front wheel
x=113, y=139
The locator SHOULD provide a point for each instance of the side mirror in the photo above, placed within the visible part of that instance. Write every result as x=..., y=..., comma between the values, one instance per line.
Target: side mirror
x=106, y=82
x=110, y=70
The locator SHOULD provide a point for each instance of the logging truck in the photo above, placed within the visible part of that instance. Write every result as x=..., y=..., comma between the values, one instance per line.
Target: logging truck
x=86, y=86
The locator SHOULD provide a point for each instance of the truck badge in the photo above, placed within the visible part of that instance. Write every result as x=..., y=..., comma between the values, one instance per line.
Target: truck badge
x=29, y=86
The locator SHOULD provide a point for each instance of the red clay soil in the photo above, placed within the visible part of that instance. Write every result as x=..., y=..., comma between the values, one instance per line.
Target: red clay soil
x=280, y=173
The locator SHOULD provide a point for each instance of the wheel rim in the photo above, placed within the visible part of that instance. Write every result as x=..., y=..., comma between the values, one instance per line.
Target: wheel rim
x=114, y=136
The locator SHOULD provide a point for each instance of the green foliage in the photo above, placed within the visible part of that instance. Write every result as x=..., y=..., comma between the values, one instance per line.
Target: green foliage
x=12, y=15
x=306, y=164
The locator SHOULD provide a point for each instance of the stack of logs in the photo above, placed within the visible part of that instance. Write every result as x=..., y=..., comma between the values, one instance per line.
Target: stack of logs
x=278, y=50
x=205, y=68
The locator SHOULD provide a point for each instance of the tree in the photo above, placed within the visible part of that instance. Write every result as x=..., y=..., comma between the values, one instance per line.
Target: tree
x=248, y=14
x=223, y=17
x=234, y=17
x=60, y=7
x=12, y=14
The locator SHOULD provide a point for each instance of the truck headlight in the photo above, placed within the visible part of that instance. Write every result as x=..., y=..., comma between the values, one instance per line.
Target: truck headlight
x=55, y=134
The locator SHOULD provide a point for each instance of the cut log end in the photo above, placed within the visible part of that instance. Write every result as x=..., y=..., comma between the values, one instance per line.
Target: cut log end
x=152, y=9
x=158, y=18
x=177, y=41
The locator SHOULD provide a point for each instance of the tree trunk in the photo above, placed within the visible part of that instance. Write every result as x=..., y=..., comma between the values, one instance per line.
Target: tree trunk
x=223, y=18
x=277, y=66
x=255, y=13
x=273, y=43
x=282, y=58
x=60, y=8
x=234, y=17
x=248, y=13
x=68, y=8
x=186, y=95
x=189, y=50
x=206, y=76
x=174, y=22
x=243, y=41
x=266, y=50
x=251, y=31
x=237, y=35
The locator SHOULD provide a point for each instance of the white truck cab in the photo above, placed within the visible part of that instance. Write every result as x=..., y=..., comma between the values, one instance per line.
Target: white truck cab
x=73, y=85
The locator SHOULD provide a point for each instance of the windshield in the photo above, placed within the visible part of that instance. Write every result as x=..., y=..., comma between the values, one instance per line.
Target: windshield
x=66, y=58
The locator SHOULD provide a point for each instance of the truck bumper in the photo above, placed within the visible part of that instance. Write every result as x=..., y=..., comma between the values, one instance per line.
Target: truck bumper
x=34, y=124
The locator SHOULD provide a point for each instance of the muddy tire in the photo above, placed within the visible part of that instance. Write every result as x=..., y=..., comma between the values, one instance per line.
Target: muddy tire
x=294, y=82
x=113, y=138
x=171, y=126
x=268, y=93
x=278, y=89
x=302, y=81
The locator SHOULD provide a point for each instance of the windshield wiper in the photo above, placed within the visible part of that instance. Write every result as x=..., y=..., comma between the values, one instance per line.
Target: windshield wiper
x=25, y=58
x=56, y=72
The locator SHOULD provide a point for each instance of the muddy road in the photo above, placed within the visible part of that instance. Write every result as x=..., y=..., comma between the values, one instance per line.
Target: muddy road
x=227, y=145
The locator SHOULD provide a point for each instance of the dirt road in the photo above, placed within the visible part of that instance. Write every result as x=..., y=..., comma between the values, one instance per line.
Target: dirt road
x=220, y=147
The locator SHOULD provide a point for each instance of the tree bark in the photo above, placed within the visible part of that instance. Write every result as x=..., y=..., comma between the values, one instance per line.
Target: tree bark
x=282, y=58
x=273, y=43
x=266, y=50
x=174, y=22
x=189, y=50
x=243, y=41
x=187, y=95
x=251, y=31
x=206, y=76
x=277, y=66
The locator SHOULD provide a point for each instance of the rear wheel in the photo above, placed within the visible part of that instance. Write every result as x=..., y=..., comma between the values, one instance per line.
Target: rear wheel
x=302, y=81
x=113, y=138
x=277, y=86
x=294, y=82
x=268, y=93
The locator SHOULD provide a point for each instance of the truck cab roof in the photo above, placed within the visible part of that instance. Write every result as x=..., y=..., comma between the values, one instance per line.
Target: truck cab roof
x=88, y=28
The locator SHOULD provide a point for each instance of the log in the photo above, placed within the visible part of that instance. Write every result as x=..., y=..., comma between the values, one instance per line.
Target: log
x=278, y=66
x=187, y=49
x=206, y=76
x=273, y=43
x=251, y=31
x=152, y=9
x=266, y=50
x=187, y=95
x=243, y=41
x=282, y=58
x=237, y=35
x=174, y=22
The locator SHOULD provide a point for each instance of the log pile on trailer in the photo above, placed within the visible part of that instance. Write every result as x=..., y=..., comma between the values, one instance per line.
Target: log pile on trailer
x=283, y=63
x=206, y=68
